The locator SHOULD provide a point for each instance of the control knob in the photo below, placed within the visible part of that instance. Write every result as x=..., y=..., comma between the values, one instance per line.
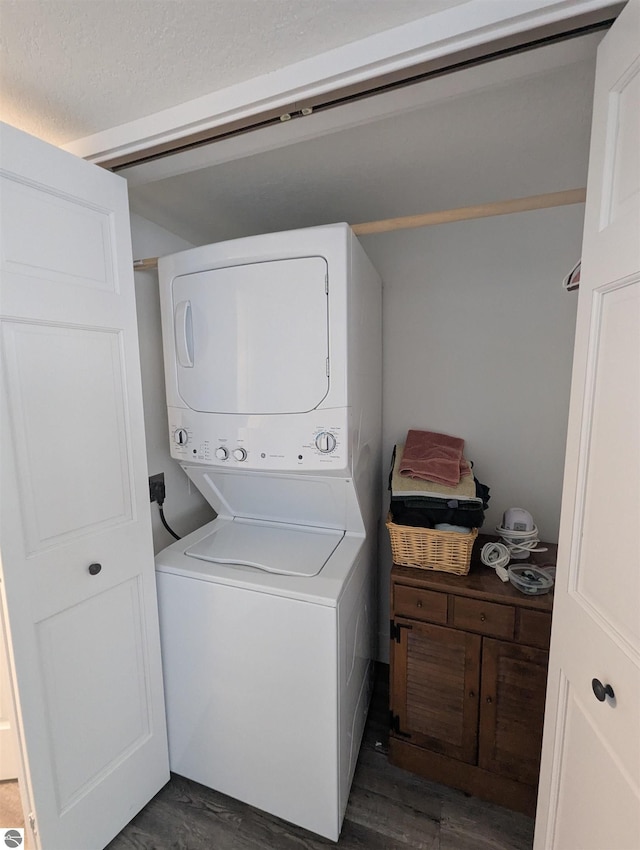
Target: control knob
x=222, y=453
x=181, y=437
x=240, y=454
x=325, y=442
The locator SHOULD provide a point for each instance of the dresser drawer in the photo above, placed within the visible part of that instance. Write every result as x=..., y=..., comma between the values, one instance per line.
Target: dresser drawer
x=487, y=618
x=426, y=605
x=534, y=628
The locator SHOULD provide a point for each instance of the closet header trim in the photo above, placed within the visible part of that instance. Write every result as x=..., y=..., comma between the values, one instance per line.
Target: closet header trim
x=345, y=94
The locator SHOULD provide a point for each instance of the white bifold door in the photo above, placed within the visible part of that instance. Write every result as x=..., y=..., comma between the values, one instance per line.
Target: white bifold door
x=78, y=582
x=589, y=796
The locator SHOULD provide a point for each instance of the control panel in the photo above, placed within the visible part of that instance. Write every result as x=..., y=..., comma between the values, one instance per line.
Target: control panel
x=261, y=442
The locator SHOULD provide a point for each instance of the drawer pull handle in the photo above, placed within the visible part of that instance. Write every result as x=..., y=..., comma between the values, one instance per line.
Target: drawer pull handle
x=489, y=700
x=419, y=603
x=471, y=694
x=94, y=569
x=601, y=691
x=483, y=617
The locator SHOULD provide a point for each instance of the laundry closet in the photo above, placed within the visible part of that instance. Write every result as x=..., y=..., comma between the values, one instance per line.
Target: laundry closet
x=478, y=342
x=477, y=326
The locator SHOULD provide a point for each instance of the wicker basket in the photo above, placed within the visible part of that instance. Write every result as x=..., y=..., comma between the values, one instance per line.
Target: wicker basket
x=429, y=549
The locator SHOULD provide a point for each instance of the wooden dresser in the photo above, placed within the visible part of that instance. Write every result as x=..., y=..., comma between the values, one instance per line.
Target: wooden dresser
x=468, y=666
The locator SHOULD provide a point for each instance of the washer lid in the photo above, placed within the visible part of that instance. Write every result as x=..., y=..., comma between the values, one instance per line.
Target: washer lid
x=295, y=550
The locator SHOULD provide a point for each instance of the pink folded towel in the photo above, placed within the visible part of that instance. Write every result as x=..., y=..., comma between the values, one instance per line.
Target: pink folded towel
x=435, y=457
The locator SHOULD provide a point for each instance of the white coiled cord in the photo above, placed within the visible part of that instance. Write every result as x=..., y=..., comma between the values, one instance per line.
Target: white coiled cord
x=519, y=542
x=497, y=555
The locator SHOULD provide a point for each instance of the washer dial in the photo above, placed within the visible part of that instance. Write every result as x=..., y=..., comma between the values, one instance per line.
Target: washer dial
x=325, y=442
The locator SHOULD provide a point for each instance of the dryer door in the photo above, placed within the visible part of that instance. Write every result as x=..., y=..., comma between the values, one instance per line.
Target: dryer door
x=253, y=339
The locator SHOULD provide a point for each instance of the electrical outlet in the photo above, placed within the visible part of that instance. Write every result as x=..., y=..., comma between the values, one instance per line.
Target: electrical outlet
x=156, y=488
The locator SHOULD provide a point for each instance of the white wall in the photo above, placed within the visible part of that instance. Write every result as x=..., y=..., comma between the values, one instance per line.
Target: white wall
x=184, y=508
x=478, y=340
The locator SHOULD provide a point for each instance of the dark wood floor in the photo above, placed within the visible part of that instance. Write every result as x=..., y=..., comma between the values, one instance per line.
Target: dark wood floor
x=388, y=809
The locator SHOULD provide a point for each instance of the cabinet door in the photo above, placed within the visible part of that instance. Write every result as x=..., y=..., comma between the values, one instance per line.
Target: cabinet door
x=436, y=677
x=511, y=709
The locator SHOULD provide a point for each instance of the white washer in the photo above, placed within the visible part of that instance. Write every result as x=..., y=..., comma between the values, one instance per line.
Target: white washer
x=272, y=360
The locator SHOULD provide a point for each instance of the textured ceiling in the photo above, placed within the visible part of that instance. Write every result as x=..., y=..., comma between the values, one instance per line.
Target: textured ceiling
x=70, y=68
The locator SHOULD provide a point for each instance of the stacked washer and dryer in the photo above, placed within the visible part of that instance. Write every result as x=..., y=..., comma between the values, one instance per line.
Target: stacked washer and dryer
x=272, y=350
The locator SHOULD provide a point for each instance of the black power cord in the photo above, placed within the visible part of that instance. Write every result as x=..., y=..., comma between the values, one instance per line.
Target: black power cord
x=166, y=524
x=157, y=494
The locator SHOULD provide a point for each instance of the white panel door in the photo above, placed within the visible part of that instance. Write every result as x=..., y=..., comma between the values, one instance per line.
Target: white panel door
x=78, y=577
x=589, y=795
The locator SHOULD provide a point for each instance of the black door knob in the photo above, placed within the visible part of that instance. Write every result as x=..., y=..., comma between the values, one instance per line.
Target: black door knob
x=601, y=691
x=94, y=569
